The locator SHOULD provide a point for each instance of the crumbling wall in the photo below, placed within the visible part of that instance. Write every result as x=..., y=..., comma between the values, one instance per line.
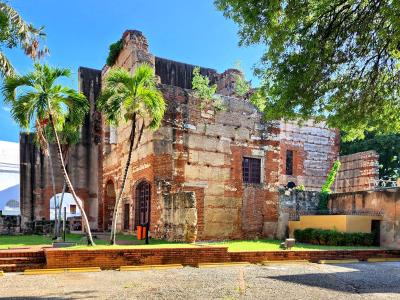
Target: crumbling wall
x=291, y=204
x=385, y=202
x=10, y=224
x=314, y=146
x=358, y=172
x=178, y=221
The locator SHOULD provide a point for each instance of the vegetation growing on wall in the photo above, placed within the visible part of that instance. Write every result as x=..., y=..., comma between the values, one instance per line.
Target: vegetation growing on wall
x=242, y=87
x=326, y=188
x=113, y=53
x=206, y=92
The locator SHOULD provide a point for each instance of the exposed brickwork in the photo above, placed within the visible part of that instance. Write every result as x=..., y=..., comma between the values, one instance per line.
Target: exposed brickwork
x=358, y=172
x=195, y=150
x=112, y=259
x=20, y=260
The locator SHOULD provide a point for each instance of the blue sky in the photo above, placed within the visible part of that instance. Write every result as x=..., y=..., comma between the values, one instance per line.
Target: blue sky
x=79, y=33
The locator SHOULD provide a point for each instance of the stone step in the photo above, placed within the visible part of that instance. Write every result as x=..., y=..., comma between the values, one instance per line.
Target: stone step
x=21, y=267
x=21, y=260
x=21, y=253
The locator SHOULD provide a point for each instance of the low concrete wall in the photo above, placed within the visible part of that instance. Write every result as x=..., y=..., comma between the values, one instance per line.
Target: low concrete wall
x=387, y=202
x=342, y=223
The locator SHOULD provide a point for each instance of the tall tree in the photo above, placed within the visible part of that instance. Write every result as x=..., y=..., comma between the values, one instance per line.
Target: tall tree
x=335, y=60
x=15, y=32
x=131, y=97
x=36, y=98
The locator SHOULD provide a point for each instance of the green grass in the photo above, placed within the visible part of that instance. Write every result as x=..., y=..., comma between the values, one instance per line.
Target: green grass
x=273, y=245
x=234, y=246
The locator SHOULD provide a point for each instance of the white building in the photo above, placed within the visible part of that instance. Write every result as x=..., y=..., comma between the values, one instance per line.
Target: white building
x=9, y=178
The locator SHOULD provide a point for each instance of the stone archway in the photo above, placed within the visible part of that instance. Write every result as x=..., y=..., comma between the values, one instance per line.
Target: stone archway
x=143, y=203
x=109, y=203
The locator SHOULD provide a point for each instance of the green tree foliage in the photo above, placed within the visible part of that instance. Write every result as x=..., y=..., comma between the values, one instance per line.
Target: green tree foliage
x=326, y=188
x=242, y=87
x=388, y=148
x=206, y=92
x=131, y=97
x=114, y=51
x=329, y=59
x=36, y=98
x=15, y=32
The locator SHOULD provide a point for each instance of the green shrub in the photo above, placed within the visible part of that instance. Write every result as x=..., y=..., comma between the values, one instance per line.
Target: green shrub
x=333, y=237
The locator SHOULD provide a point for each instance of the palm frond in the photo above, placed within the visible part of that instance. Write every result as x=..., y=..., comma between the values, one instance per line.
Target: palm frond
x=26, y=34
x=12, y=84
x=6, y=69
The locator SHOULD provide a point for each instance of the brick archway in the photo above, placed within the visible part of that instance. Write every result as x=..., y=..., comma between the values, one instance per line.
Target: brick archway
x=143, y=203
x=109, y=203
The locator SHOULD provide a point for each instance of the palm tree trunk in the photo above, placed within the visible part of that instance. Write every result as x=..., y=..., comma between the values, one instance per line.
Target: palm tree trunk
x=56, y=224
x=68, y=181
x=60, y=210
x=128, y=162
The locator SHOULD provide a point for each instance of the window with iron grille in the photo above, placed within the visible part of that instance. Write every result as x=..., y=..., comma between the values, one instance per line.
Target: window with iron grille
x=251, y=170
x=289, y=162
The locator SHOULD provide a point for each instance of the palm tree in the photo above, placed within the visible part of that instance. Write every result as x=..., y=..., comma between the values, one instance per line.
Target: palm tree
x=69, y=135
x=35, y=98
x=14, y=32
x=132, y=97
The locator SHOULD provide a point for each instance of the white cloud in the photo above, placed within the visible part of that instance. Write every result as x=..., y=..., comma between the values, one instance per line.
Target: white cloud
x=7, y=109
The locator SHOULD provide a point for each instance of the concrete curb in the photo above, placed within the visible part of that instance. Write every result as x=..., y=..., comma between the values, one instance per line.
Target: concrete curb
x=60, y=271
x=338, y=261
x=227, y=264
x=383, y=259
x=151, y=267
x=298, y=261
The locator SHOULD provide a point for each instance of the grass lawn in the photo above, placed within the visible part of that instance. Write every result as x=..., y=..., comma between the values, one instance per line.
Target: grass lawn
x=249, y=245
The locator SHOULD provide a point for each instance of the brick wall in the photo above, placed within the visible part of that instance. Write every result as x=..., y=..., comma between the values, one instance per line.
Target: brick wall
x=112, y=259
x=358, y=172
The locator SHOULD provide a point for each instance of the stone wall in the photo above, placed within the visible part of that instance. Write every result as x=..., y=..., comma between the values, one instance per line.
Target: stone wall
x=314, y=147
x=358, y=172
x=10, y=224
x=178, y=221
x=386, y=202
x=291, y=204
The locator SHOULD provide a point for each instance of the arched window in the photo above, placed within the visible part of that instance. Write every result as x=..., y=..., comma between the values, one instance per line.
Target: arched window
x=142, y=209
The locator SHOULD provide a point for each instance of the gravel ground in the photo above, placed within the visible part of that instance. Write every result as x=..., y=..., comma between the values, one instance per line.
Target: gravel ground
x=275, y=281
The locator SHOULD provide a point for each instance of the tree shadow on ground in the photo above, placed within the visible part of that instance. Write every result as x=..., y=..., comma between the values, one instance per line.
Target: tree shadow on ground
x=359, y=278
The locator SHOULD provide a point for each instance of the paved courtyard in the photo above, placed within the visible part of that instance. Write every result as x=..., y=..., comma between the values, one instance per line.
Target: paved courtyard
x=275, y=281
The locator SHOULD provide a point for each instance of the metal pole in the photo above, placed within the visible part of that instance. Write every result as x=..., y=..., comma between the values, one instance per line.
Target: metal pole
x=64, y=222
x=147, y=232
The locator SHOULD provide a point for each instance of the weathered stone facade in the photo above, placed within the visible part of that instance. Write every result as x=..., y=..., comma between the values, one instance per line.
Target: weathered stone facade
x=358, y=172
x=194, y=151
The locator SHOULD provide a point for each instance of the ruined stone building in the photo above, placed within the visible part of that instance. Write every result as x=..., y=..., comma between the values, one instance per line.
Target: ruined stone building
x=217, y=171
